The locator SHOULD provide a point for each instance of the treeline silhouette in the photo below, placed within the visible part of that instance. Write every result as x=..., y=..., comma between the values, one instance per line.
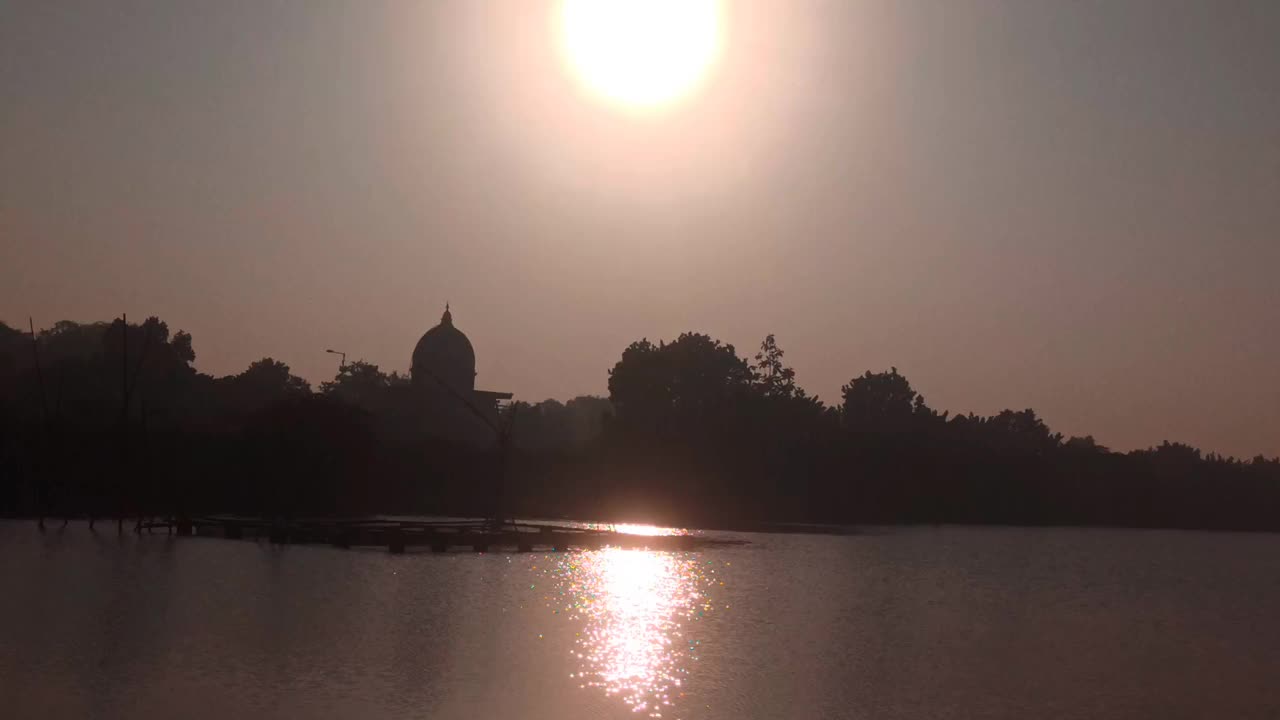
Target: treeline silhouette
x=112, y=419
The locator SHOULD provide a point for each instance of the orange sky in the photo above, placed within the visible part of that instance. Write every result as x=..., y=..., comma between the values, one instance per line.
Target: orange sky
x=1019, y=203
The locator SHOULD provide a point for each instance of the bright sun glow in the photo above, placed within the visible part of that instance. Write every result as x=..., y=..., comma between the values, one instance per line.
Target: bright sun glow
x=641, y=53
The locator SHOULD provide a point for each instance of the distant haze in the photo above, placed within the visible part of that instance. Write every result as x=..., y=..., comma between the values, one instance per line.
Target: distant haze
x=1071, y=206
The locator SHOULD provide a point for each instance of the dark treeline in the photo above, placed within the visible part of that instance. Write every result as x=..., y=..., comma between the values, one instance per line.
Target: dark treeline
x=109, y=419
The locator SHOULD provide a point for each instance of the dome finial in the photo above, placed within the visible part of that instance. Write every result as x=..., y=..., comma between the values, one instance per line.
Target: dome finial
x=447, y=318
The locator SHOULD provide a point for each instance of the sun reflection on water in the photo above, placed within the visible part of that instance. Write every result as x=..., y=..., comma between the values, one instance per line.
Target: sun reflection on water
x=636, y=529
x=636, y=609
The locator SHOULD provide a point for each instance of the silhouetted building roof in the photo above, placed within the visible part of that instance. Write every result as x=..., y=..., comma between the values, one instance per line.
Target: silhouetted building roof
x=444, y=357
x=444, y=354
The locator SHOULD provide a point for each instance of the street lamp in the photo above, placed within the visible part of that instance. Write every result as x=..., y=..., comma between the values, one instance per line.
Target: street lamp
x=343, y=362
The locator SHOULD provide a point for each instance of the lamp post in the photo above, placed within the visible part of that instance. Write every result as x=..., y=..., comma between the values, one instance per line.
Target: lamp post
x=343, y=361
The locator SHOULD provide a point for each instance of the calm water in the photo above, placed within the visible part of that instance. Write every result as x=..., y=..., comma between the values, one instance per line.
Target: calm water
x=918, y=623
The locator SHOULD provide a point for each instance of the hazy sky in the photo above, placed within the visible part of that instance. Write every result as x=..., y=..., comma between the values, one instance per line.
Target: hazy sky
x=1059, y=204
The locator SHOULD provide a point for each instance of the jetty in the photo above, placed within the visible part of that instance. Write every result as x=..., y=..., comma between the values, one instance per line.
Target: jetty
x=399, y=535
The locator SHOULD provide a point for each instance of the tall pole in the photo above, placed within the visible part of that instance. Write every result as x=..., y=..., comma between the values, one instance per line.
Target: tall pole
x=42, y=487
x=35, y=354
x=124, y=419
x=137, y=368
x=142, y=410
x=124, y=367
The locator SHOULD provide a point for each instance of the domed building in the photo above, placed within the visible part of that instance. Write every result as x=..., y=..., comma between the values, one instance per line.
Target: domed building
x=444, y=374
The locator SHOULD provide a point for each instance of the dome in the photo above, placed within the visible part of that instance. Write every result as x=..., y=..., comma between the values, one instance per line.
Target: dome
x=444, y=354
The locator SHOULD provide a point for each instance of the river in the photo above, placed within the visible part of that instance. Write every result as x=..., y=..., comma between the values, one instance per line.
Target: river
x=932, y=623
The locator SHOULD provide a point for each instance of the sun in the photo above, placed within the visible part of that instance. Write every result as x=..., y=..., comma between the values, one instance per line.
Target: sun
x=641, y=53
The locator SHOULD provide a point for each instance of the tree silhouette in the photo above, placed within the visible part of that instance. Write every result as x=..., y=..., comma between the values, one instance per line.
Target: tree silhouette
x=263, y=383
x=690, y=433
x=271, y=378
x=551, y=425
x=1084, y=445
x=774, y=378
x=1022, y=432
x=677, y=385
x=882, y=402
x=359, y=383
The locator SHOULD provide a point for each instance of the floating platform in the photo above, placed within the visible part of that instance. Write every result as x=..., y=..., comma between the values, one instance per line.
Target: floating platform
x=397, y=536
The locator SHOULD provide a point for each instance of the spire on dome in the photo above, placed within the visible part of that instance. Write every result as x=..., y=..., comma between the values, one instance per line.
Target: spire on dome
x=447, y=318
